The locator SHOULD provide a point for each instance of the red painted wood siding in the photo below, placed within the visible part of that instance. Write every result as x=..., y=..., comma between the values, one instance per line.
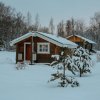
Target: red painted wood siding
x=41, y=58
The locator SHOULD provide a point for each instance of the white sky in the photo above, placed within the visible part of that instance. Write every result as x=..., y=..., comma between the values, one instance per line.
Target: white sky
x=58, y=9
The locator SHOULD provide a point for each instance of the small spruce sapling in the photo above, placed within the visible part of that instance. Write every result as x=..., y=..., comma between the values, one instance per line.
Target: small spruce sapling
x=82, y=60
x=63, y=64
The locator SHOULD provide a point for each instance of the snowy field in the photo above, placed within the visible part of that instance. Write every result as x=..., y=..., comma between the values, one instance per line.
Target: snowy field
x=31, y=83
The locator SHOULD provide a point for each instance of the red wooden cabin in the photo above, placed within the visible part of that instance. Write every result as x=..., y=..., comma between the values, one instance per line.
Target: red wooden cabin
x=38, y=47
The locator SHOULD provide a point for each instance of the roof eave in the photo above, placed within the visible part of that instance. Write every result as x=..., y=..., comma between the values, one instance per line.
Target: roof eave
x=44, y=37
x=20, y=39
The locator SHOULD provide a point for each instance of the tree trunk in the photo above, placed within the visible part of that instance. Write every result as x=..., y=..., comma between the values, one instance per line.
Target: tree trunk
x=80, y=72
x=64, y=72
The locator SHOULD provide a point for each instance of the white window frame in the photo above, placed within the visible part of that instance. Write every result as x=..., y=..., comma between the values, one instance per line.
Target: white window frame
x=43, y=43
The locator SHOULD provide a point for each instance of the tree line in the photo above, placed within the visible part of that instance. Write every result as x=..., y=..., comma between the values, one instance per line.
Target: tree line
x=78, y=27
x=13, y=24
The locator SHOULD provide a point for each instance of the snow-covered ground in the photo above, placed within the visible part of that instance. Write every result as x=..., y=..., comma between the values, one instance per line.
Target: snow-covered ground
x=31, y=83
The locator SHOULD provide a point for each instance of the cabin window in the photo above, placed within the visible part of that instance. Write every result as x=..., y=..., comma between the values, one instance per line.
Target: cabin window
x=43, y=48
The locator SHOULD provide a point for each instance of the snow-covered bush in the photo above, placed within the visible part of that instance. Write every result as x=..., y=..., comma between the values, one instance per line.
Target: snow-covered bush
x=21, y=65
x=63, y=64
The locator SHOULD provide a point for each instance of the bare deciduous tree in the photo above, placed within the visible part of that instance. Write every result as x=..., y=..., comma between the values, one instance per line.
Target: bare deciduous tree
x=60, y=29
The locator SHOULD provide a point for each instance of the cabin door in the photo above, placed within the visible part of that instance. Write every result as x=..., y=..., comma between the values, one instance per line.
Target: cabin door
x=27, y=51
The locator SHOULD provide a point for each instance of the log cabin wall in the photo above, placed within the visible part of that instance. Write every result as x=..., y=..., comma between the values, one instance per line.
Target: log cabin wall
x=81, y=42
x=77, y=40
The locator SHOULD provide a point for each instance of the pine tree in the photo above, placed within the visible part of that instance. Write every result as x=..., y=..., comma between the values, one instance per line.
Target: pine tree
x=51, y=26
x=79, y=62
x=63, y=64
x=82, y=60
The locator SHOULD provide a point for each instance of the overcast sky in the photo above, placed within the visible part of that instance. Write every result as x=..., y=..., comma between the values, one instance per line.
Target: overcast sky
x=58, y=9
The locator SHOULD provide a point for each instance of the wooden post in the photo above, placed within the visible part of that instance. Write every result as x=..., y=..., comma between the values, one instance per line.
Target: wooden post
x=31, y=50
x=16, y=53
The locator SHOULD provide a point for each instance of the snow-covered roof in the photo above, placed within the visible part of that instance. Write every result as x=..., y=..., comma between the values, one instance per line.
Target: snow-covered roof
x=62, y=42
x=85, y=39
